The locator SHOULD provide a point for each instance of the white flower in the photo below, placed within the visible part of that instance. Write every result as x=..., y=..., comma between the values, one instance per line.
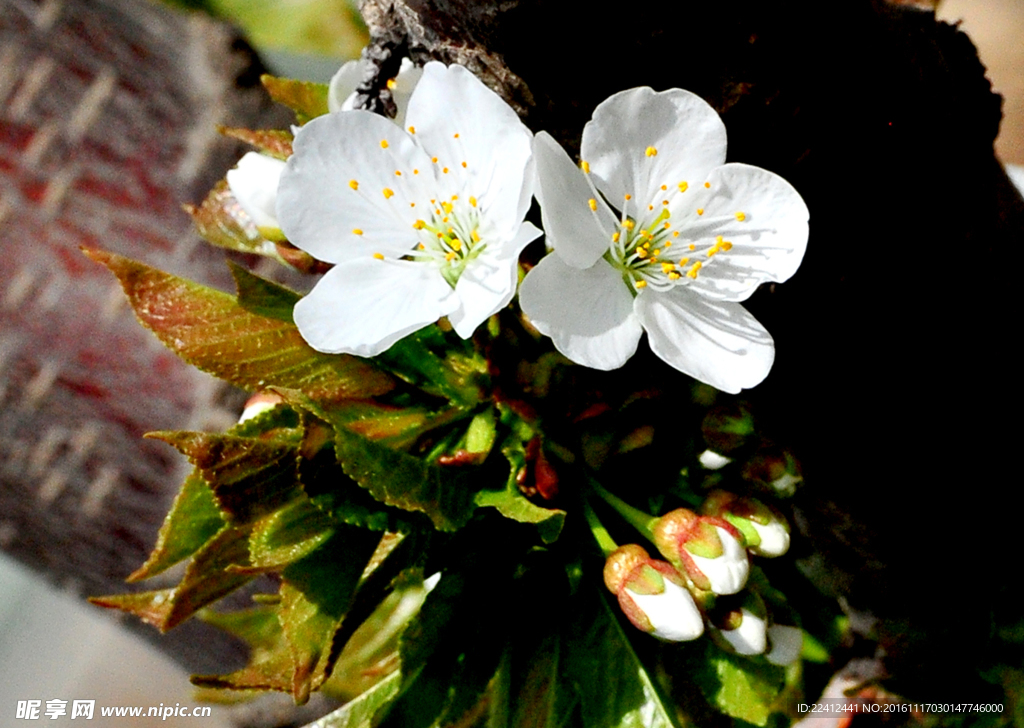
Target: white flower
x=657, y=234
x=774, y=539
x=254, y=184
x=728, y=572
x=672, y=614
x=711, y=460
x=341, y=92
x=750, y=637
x=420, y=223
x=255, y=179
x=787, y=642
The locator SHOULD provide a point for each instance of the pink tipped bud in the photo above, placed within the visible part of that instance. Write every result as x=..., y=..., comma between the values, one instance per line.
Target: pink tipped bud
x=708, y=549
x=653, y=595
x=260, y=403
x=765, y=531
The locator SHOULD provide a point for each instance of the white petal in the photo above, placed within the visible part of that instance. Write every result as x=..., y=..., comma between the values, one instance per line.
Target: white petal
x=579, y=235
x=711, y=460
x=364, y=306
x=489, y=282
x=687, y=133
x=774, y=539
x=787, y=642
x=254, y=183
x=767, y=245
x=750, y=638
x=405, y=83
x=673, y=613
x=457, y=119
x=341, y=90
x=318, y=208
x=728, y=572
x=715, y=342
x=587, y=313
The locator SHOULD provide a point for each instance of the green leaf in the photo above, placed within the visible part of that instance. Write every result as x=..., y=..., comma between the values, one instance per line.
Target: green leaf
x=275, y=143
x=315, y=595
x=250, y=477
x=527, y=692
x=308, y=100
x=444, y=495
x=220, y=221
x=738, y=686
x=514, y=505
x=270, y=662
x=193, y=520
x=262, y=297
x=210, y=330
x=615, y=689
x=453, y=376
x=288, y=535
x=359, y=712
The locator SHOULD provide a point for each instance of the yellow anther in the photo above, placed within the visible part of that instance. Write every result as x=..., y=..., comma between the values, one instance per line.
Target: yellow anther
x=445, y=219
x=398, y=173
x=664, y=202
x=741, y=216
x=668, y=243
x=412, y=129
x=415, y=171
x=421, y=246
x=651, y=151
x=683, y=187
x=663, y=188
x=629, y=224
x=593, y=204
x=463, y=164
x=692, y=273
x=657, y=251
x=641, y=284
x=668, y=267
x=447, y=207
x=692, y=246
x=456, y=244
x=718, y=240
x=585, y=166
x=675, y=234
x=353, y=184
x=641, y=252
x=629, y=197
x=454, y=197
x=392, y=84
x=455, y=136
x=412, y=204
x=644, y=235
x=357, y=231
x=388, y=192
x=707, y=185
x=434, y=160
x=378, y=256
x=476, y=236
x=383, y=143
x=615, y=237
x=667, y=225
x=449, y=257
x=472, y=201
x=419, y=225
x=433, y=201
x=700, y=210
x=683, y=261
x=445, y=170
x=674, y=276
x=726, y=246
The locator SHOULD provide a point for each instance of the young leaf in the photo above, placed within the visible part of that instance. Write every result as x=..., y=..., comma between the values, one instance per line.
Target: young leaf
x=308, y=100
x=221, y=221
x=262, y=297
x=359, y=712
x=444, y=495
x=453, y=376
x=275, y=143
x=250, y=477
x=270, y=662
x=615, y=689
x=210, y=330
x=739, y=686
x=513, y=504
x=288, y=535
x=193, y=520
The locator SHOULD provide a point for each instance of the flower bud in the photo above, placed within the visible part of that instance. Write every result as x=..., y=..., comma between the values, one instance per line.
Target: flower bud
x=766, y=532
x=652, y=595
x=786, y=642
x=709, y=550
x=745, y=631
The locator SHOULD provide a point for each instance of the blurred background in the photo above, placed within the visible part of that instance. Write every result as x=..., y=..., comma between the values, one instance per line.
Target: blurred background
x=53, y=644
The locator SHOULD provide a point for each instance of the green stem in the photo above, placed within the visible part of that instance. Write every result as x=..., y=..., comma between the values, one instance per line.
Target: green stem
x=642, y=522
x=604, y=540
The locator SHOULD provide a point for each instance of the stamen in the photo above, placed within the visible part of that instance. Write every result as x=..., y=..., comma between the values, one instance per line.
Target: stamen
x=707, y=185
x=629, y=224
x=615, y=237
x=727, y=246
x=629, y=197
x=651, y=152
x=388, y=192
x=476, y=236
x=472, y=201
x=454, y=197
x=700, y=210
x=692, y=273
x=434, y=160
x=378, y=256
x=415, y=171
x=664, y=202
x=641, y=284
x=585, y=166
x=392, y=84
x=383, y=143
x=455, y=136
x=692, y=247
x=668, y=267
x=668, y=243
x=675, y=234
x=447, y=207
x=741, y=216
x=412, y=129
x=412, y=204
x=463, y=164
x=456, y=244
x=683, y=187
x=357, y=231
x=667, y=225
x=674, y=276
x=445, y=170
x=398, y=173
x=663, y=188
x=419, y=225
x=593, y=204
x=353, y=184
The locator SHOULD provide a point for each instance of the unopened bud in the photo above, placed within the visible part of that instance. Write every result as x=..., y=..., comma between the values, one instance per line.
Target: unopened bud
x=258, y=404
x=766, y=532
x=745, y=632
x=709, y=550
x=786, y=644
x=653, y=595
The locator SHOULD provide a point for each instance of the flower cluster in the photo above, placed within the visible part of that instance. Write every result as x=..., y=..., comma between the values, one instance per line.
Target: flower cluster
x=423, y=218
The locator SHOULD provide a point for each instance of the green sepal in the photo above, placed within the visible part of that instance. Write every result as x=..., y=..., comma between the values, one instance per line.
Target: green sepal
x=307, y=99
x=212, y=331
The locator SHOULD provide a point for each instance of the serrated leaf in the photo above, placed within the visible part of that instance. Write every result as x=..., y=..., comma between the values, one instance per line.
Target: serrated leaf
x=288, y=535
x=512, y=504
x=194, y=519
x=270, y=664
x=444, y=495
x=275, y=143
x=739, y=686
x=258, y=627
x=615, y=688
x=359, y=712
x=221, y=221
x=262, y=297
x=210, y=330
x=454, y=376
x=250, y=477
x=152, y=607
x=315, y=595
x=307, y=99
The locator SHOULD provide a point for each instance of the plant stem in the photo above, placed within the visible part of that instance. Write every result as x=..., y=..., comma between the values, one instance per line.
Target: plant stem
x=604, y=540
x=642, y=522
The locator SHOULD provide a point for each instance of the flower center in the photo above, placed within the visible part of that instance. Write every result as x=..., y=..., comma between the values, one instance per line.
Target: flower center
x=450, y=239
